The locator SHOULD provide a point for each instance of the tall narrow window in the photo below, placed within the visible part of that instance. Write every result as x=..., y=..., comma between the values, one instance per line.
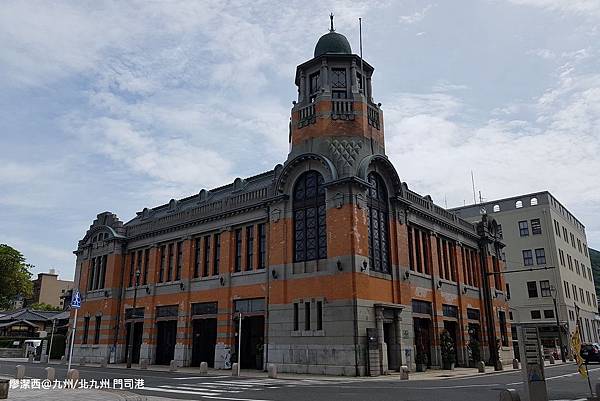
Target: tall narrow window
x=377, y=209
x=249, y=247
x=307, y=316
x=146, y=263
x=295, y=316
x=262, y=246
x=411, y=252
x=163, y=262
x=170, y=263
x=319, y=315
x=140, y=256
x=179, y=260
x=532, y=289
x=97, y=330
x=310, y=234
x=91, y=274
x=540, y=256
x=102, y=277
x=131, y=268
x=536, y=227
x=503, y=331
x=86, y=329
x=197, y=254
x=238, y=250
x=217, y=254
x=206, y=256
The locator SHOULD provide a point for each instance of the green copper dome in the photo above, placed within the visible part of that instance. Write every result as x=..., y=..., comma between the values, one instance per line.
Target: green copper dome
x=332, y=42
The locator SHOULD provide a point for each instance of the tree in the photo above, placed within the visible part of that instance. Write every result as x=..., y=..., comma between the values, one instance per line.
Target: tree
x=15, y=276
x=44, y=307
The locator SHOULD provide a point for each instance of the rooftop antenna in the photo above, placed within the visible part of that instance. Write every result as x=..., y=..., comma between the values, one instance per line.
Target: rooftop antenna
x=473, y=184
x=331, y=18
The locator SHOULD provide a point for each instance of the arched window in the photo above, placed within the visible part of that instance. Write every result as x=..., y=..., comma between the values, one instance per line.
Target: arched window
x=496, y=208
x=310, y=231
x=519, y=204
x=533, y=202
x=377, y=207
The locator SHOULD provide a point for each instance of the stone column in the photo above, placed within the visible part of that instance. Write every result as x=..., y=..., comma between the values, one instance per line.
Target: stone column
x=382, y=345
x=302, y=88
x=324, y=77
x=398, y=335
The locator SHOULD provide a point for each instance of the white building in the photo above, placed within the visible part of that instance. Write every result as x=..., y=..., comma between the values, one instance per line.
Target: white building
x=547, y=258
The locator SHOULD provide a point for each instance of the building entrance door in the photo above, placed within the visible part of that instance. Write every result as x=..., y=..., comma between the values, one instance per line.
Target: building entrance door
x=253, y=334
x=204, y=338
x=165, y=341
x=137, y=341
x=423, y=342
x=451, y=327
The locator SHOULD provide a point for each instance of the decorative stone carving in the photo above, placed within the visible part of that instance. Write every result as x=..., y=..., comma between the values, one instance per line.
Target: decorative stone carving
x=344, y=152
x=275, y=215
x=338, y=200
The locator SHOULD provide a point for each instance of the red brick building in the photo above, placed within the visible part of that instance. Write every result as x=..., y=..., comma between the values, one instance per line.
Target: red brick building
x=334, y=264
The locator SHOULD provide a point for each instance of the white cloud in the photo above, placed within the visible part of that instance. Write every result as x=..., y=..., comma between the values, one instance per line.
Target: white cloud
x=415, y=17
x=580, y=7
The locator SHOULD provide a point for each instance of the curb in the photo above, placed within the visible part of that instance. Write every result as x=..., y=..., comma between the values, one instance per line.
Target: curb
x=126, y=395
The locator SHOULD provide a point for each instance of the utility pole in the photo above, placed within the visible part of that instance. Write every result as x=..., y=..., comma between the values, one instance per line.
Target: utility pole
x=132, y=324
x=560, y=339
x=51, y=339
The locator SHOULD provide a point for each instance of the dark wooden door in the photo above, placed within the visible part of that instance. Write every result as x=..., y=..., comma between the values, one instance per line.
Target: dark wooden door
x=204, y=338
x=165, y=341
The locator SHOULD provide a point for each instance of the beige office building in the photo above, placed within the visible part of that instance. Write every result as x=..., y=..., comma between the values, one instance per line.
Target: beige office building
x=48, y=289
x=547, y=249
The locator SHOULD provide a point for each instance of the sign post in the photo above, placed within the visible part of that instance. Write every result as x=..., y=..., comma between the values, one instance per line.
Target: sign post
x=532, y=362
x=75, y=304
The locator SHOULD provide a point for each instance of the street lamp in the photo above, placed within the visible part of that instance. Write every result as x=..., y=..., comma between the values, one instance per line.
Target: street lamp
x=553, y=293
x=132, y=324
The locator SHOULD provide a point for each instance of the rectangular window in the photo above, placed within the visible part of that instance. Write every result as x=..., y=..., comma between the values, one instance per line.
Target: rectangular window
x=535, y=314
x=576, y=266
x=561, y=256
x=315, y=84
x=238, y=250
x=557, y=228
x=545, y=288
x=319, y=315
x=249, y=247
x=581, y=295
x=411, y=253
x=146, y=263
x=583, y=271
x=131, y=268
x=97, y=330
x=565, y=234
x=540, y=256
x=295, y=316
x=217, y=254
x=450, y=311
x=570, y=262
x=579, y=244
x=548, y=314
x=503, y=331
x=170, y=262
x=307, y=316
x=572, y=240
x=422, y=307
x=204, y=308
x=532, y=289
x=163, y=262
x=523, y=228
x=473, y=314
x=536, y=227
x=91, y=274
x=262, y=246
x=179, y=263
x=206, y=269
x=574, y=288
x=140, y=255
x=527, y=257
x=567, y=290
x=507, y=291
x=588, y=299
x=197, y=255
x=585, y=250
x=86, y=328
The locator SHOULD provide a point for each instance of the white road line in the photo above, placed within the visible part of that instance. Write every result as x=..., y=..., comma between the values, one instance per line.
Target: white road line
x=201, y=389
x=235, y=399
x=169, y=390
x=197, y=377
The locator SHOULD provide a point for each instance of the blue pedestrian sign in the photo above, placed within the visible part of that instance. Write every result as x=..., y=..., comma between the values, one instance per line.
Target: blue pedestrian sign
x=76, y=300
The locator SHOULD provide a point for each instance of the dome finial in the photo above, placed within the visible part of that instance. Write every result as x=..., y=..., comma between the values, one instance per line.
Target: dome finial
x=331, y=18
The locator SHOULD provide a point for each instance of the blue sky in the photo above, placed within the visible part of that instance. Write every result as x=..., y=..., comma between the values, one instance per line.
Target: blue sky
x=124, y=105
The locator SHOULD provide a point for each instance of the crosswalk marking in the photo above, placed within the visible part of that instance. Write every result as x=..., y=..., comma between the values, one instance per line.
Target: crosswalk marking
x=219, y=389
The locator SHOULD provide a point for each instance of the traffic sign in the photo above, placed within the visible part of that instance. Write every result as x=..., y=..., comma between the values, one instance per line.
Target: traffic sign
x=76, y=300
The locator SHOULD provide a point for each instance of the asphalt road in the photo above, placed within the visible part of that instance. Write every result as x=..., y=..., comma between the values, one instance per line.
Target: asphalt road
x=562, y=381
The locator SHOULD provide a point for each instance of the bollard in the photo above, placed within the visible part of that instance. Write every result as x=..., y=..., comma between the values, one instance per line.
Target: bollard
x=272, y=369
x=50, y=374
x=551, y=359
x=73, y=376
x=203, y=368
x=63, y=360
x=481, y=367
x=30, y=358
x=515, y=363
x=20, y=372
x=173, y=366
x=509, y=394
x=234, y=369
x=403, y=372
x=4, y=385
x=143, y=364
x=103, y=362
x=499, y=365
